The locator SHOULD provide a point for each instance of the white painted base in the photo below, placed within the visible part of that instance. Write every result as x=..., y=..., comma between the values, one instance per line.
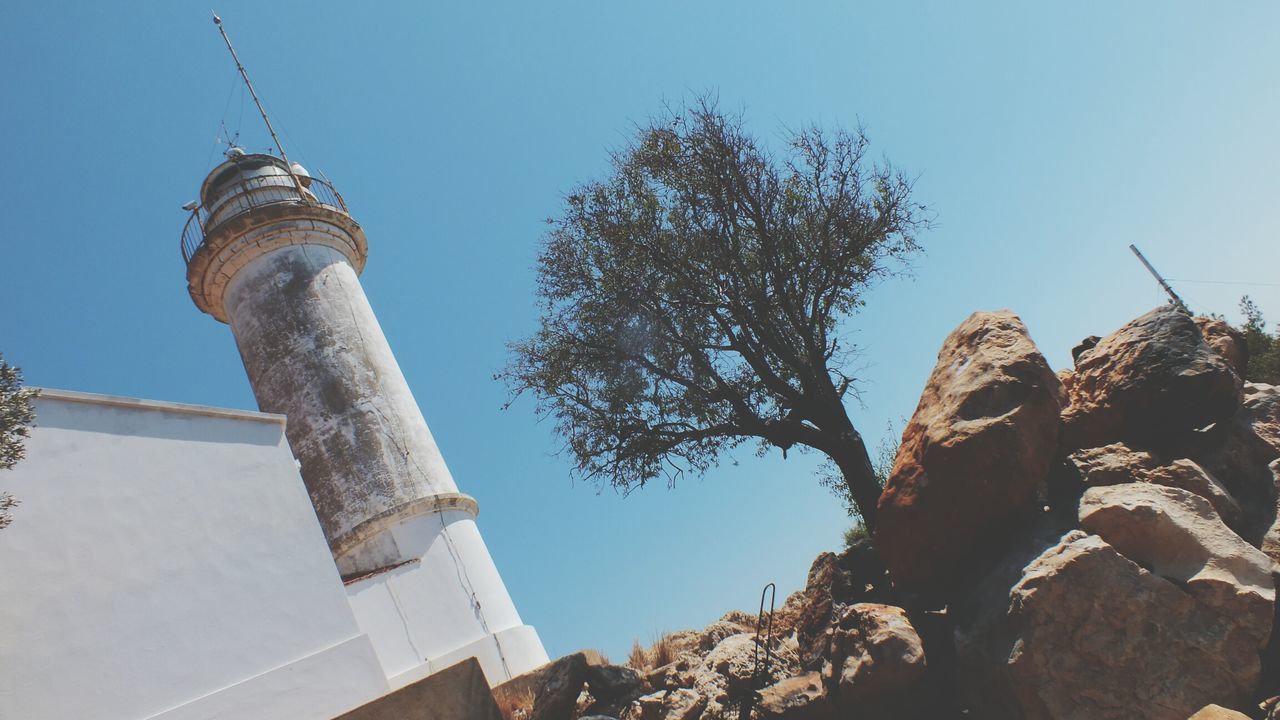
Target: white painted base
x=496, y=653
x=446, y=604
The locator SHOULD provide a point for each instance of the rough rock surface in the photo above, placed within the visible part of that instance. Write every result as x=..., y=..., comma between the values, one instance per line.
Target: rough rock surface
x=1116, y=464
x=1151, y=382
x=1091, y=635
x=803, y=697
x=981, y=439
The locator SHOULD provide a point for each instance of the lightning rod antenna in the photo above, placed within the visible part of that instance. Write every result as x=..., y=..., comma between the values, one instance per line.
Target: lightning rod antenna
x=1173, y=296
x=244, y=74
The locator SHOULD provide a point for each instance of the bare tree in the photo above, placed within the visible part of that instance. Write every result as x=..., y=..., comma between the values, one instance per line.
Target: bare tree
x=690, y=302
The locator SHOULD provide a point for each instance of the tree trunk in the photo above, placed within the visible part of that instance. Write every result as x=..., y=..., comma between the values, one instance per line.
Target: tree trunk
x=859, y=475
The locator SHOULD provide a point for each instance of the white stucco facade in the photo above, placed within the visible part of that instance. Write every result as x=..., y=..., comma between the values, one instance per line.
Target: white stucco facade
x=166, y=563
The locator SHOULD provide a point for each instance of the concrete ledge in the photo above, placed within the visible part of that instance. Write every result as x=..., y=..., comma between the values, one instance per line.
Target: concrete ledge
x=459, y=692
x=156, y=405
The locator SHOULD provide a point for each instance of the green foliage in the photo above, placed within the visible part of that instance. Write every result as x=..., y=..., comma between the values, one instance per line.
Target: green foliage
x=1263, y=347
x=882, y=463
x=689, y=302
x=857, y=531
x=16, y=415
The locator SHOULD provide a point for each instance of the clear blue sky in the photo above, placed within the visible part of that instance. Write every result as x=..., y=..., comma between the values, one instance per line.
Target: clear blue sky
x=1046, y=136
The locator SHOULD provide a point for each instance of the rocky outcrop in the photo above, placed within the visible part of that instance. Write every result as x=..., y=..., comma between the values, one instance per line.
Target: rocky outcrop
x=1114, y=558
x=1151, y=382
x=980, y=441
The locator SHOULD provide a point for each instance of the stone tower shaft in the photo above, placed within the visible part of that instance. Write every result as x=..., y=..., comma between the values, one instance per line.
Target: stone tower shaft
x=278, y=260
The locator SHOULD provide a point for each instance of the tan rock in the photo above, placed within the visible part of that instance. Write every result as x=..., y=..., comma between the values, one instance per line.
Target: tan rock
x=1152, y=381
x=1226, y=341
x=1116, y=464
x=1217, y=712
x=980, y=441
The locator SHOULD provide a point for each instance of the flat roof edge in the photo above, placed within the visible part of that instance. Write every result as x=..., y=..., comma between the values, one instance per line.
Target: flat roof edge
x=158, y=405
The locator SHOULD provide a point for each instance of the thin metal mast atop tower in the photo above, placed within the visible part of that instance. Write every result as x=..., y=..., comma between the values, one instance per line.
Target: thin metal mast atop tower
x=244, y=74
x=1177, y=301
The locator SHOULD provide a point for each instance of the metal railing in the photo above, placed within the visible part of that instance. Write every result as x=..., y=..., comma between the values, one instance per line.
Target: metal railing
x=761, y=665
x=254, y=193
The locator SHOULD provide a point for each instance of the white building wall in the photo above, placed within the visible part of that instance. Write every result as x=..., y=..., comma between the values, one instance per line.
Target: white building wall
x=166, y=563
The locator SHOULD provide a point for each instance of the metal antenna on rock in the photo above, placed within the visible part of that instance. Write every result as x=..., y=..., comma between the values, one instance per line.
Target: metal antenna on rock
x=1173, y=296
x=244, y=74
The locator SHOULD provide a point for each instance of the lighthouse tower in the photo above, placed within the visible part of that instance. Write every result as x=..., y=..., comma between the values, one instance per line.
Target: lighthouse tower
x=275, y=254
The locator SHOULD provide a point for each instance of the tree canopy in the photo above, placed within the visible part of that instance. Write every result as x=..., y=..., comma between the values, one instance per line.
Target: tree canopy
x=15, y=417
x=1263, y=348
x=691, y=301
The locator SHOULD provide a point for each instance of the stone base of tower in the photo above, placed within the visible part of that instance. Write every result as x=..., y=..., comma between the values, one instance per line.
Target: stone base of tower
x=441, y=602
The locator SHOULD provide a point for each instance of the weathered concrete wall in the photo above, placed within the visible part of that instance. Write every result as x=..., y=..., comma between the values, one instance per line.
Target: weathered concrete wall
x=165, y=563
x=314, y=352
x=459, y=692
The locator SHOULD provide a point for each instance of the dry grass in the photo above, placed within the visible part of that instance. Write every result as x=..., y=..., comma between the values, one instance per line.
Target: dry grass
x=637, y=659
x=662, y=651
x=519, y=706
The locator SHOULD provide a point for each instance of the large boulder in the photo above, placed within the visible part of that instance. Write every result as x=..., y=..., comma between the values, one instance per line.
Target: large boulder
x=1117, y=464
x=979, y=443
x=1151, y=382
x=1088, y=633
